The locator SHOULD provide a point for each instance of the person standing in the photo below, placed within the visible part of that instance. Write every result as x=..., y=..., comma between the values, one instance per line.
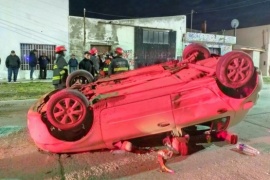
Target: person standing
x=86, y=64
x=13, y=64
x=118, y=64
x=32, y=62
x=73, y=63
x=60, y=70
x=94, y=58
x=43, y=62
x=106, y=64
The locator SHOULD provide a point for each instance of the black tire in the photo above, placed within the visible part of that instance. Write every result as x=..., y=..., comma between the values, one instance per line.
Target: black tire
x=234, y=69
x=67, y=109
x=204, y=52
x=80, y=77
x=73, y=134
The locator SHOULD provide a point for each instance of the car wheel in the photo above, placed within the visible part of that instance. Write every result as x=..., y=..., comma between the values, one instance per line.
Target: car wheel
x=79, y=77
x=234, y=69
x=67, y=109
x=203, y=51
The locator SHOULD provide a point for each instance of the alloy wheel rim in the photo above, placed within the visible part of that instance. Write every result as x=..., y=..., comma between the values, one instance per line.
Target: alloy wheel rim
x=238, y=70
x=68, y=111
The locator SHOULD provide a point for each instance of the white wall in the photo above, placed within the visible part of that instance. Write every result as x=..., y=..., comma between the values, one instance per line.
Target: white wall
x=98, y=34
x=31, y=21
x=256, y=37
x=126, y=41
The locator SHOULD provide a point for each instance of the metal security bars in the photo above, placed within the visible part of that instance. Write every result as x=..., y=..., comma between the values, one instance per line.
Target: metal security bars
x=153, y=46
x=155, y=37
x=41, y=48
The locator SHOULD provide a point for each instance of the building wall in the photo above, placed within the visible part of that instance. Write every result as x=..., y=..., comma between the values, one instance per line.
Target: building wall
x=119, y=33
x=34, y=22
x=98, y=34
x=222, y=42
x=256, y=37
x=175, y=23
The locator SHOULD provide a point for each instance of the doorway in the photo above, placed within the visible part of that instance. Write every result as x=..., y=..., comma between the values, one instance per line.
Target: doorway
x=102, y=49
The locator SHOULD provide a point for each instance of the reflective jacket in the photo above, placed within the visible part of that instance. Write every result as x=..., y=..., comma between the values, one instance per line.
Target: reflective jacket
x=60, y=70
x=118, y=65
x=106, y=65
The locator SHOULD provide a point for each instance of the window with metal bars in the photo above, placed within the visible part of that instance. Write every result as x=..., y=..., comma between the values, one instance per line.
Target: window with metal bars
x=41, y=48
x=155, y=36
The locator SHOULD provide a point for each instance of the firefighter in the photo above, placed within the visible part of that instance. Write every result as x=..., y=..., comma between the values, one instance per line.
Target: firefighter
x=118, y=64
x=60, y=69
x=105, y=64
x=94, y=58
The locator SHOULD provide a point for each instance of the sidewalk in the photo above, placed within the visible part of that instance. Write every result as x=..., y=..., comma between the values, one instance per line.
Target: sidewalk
x=26, y=80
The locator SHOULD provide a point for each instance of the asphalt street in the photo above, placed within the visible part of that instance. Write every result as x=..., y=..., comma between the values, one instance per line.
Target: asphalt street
x=20, y=159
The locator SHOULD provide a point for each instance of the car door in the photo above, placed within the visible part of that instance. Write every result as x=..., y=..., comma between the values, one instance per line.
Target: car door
x=137, y=119
x=197, y=106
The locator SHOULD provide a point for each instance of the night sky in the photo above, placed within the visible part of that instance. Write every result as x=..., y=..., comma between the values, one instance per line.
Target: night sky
x=217, y=13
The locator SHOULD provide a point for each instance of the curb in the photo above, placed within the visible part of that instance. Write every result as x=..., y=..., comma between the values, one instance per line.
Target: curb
x=18, y=101
x=26, y=81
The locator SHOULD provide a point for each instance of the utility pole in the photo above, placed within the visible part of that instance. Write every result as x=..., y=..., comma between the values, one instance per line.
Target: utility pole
x=191, y=18
x=84, y=31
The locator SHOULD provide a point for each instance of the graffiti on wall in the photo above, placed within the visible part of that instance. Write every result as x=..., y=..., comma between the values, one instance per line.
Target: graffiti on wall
x=213, y=38
x=128, y=55
x=214, y=41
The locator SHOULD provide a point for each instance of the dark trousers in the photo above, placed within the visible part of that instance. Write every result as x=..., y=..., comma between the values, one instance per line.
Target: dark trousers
x=14, y=71
x=43, y=73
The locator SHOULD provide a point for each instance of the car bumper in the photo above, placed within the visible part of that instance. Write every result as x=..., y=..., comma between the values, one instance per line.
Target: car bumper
x=40, y=134
x=245, y=105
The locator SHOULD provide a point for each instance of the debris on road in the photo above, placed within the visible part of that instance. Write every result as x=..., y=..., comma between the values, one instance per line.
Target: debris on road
x=125, y=146
x=122, y=147
x=246, y=149
x=118, y=151
x=175, y=145
x=162, y=156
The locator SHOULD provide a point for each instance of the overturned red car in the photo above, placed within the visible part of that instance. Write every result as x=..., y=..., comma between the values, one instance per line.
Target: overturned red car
x=175, y=97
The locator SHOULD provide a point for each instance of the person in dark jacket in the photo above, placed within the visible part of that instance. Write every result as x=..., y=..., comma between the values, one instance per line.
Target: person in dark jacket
x=43, y=62
x=73, y=63
x=60, y=70
x=13, y=64
x=94, y=58
x=32, y=62
x=87, y=64
x=118, y=64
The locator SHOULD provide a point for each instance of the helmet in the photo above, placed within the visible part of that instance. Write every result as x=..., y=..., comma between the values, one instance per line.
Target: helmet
x=60, y=49
x=119, y=51
x=93, y=51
